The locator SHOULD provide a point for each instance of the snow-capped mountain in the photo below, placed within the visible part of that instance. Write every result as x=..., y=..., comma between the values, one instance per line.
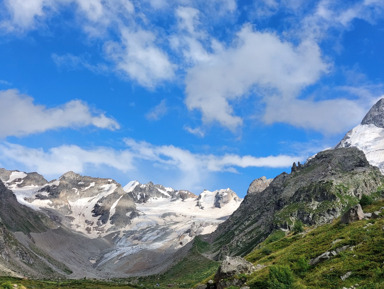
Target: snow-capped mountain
x=137, y=221
x=369, y=136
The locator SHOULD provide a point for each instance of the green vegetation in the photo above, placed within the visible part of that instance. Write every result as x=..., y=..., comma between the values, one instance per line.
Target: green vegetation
x=289, y=256
x=280, y=277
x=298, y=227
x=366, y=200
x=8, y=282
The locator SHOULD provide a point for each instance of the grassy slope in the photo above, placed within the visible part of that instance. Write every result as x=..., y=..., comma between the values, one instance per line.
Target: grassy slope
x=364, y=260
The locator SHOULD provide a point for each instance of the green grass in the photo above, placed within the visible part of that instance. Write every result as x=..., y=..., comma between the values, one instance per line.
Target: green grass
x=365, y=260
x=67, y=284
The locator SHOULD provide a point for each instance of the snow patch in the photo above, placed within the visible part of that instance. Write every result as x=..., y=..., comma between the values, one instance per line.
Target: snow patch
x=130, y=186
x=16, y=175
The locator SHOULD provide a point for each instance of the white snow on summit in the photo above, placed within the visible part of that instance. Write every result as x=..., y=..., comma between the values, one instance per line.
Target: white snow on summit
x=370, y=139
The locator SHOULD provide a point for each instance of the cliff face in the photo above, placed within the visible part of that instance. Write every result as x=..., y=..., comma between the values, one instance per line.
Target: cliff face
x=314, y=193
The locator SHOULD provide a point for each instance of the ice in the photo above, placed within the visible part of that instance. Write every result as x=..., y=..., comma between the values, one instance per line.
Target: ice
x=16, y=175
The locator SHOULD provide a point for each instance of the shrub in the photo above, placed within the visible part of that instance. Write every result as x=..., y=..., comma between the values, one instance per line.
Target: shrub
x=7, y=285
x=301, y=266
x=298, y=227
x=275, y=236
x=366, y=200
x=280, y=277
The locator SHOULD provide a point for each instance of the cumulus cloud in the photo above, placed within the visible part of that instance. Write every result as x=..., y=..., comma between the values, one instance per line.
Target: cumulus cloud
x=138, y=57
x=20, y=116
x=255, y=60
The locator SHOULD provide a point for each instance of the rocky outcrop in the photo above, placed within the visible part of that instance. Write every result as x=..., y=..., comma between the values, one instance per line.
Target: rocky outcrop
x=142, y=193
x=259, y=185
x=319, y=192
x=375, y=115
x=328, y=255
x=353, y=214
x=228, y=273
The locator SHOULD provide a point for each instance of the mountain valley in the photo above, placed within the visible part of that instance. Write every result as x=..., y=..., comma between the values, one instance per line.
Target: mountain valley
x=79, y=227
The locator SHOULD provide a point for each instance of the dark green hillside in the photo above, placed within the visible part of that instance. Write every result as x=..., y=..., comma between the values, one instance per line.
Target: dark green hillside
x=360, y=259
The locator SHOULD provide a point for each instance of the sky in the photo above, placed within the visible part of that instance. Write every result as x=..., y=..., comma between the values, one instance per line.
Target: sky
x=190, y=94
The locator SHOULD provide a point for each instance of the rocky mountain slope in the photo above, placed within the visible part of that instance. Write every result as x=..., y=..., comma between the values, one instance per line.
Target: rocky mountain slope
x=314, y=193
x=369, y=136
x=103, y=230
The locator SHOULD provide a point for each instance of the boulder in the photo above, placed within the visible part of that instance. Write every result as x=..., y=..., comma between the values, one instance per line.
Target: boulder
x=229, y=269
x=353, y=214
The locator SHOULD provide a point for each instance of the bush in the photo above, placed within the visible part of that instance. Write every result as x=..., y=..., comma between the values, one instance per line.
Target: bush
x=301, y=266
x=298, y=227
x=280, y=277
x=366, y=200
x=6, y=285
x=275, y=236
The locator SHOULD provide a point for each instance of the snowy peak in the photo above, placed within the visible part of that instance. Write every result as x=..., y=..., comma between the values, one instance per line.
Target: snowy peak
x=142, y=193
x=217, y=199
x=21, y=179
x=375, y=115
x=369, y=136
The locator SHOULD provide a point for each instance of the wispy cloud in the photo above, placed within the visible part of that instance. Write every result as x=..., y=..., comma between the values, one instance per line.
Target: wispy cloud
x=158, y=111
x=20, y=116
x=189, y=170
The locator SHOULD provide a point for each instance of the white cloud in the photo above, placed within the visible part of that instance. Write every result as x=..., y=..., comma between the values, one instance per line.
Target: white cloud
x=20, y=116
x=138, y=57
x=59, y=160
x=196, y=131
x=188, y=170
x=327, y=116
x=158, y=111
x=255, y=60
x=195, y=168
x=337, y=15
x=24, y=13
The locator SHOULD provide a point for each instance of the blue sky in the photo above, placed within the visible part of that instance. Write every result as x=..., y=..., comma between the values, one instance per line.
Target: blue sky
x=190, y=94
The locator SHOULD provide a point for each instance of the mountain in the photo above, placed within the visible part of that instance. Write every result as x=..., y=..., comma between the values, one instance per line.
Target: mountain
x=314, y=193
x=369, y=135
x=100, y=229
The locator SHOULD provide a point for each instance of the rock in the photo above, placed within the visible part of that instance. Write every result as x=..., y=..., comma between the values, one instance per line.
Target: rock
x=353, y=214
x=327, y=255
x=375, y=115
x=318, y=259
x=230, y=267
x=376, y=215
x=259, y=185
x=346, y=276
x=367, y=215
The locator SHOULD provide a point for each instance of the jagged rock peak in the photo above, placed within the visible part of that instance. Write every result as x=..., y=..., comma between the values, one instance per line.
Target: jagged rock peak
x=375, y=115
x=259, y=185
x=70, y=175
x=142, y=193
